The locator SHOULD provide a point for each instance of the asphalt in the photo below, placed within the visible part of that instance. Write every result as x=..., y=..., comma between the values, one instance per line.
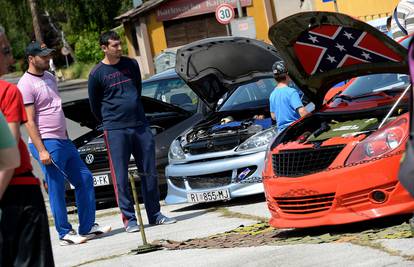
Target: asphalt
x=199, y=221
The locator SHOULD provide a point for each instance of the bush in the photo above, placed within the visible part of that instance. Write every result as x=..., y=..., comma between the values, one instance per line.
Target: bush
x=78, y=70
x=87, y=47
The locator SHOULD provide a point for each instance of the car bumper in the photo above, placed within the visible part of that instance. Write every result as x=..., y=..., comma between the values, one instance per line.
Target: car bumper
x=180, y=177
x=337, y=196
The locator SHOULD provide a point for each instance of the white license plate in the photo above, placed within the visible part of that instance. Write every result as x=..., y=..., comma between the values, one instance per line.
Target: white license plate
x=208, y=196
x=98, y=180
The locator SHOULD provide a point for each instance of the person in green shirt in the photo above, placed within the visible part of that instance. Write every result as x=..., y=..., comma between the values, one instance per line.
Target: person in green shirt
x=9, y=154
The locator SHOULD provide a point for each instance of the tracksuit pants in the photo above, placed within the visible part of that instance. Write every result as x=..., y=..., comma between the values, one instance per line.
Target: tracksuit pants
x=24, y=228
x=68, y=166
x=138, y=141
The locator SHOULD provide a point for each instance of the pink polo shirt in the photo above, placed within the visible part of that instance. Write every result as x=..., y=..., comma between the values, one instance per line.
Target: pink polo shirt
x=42, y=92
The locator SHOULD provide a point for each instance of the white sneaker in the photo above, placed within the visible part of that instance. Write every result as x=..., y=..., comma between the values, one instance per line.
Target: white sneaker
x=72, y=238
x=97, y=230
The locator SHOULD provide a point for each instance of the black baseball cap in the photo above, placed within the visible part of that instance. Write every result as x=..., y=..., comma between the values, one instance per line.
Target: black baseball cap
x=37, y=49
x=279, y=68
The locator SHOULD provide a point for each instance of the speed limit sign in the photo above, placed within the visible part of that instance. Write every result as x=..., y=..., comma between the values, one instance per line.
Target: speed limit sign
x=224, y=13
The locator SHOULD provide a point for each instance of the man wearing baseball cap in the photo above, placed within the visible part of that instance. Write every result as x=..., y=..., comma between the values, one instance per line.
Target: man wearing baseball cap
x=285, y=104
x=37, y=49
x=51, y=147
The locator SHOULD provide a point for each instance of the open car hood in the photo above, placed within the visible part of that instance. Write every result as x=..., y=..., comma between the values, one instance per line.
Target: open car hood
x=80, y=112
x=321, y=49
x=215, y=66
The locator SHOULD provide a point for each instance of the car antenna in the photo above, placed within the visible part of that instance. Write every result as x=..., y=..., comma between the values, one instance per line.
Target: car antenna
x=394, y=106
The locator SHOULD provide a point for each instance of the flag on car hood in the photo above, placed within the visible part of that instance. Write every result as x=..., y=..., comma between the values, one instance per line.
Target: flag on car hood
x=329, y=47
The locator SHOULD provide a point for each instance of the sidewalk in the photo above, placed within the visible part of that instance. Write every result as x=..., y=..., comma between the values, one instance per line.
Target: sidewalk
x=199, y=221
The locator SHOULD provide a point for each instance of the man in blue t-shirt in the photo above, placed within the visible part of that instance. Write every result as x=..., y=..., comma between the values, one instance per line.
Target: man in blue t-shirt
x=114, y=88
x=285, y=104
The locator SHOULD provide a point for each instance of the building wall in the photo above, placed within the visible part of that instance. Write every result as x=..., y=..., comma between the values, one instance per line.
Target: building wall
x=362, y=9
x=285, y=8
x=156, y=34
x=257, y=11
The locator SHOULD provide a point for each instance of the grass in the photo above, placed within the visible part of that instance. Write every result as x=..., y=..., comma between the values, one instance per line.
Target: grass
x=77, y=70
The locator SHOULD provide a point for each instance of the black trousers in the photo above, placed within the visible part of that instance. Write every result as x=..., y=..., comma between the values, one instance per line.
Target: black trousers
x=24, y=235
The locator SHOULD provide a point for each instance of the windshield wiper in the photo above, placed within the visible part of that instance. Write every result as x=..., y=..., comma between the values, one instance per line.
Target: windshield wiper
x=351, y=98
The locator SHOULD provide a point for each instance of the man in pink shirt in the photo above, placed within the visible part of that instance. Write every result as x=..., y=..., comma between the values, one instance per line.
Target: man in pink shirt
x=49, y=144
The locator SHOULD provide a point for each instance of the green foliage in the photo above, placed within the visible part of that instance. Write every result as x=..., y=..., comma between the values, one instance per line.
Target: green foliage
x=78, y=70
x=87, y=47
x=81, y=21
x=121, y=32
x=13, y=19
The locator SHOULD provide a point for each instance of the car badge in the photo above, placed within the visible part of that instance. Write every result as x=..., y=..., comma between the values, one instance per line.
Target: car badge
x=89, y=159
x=243, y=174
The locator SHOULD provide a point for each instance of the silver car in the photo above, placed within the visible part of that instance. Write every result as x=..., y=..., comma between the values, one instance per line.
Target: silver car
x=222, y=157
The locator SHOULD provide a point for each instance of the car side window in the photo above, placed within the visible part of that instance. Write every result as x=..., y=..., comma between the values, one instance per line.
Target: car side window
x=173, y=91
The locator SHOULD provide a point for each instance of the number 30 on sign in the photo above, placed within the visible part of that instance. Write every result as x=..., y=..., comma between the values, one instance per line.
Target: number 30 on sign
x=224, y=13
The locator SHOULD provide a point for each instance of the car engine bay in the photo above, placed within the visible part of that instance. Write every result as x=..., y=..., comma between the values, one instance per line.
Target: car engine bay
x=224, y=133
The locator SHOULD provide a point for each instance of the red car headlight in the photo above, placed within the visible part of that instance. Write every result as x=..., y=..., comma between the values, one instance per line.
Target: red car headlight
x=381, y=142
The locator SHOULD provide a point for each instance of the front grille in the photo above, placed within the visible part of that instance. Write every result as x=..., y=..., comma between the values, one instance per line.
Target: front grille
x=100, y=160
x=210, y=180
x=294, y=163
x=305, y=204
x=212, y=145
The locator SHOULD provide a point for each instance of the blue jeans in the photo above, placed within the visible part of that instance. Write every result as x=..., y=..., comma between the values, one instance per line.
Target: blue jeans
x=66, y=157
x=139, y=142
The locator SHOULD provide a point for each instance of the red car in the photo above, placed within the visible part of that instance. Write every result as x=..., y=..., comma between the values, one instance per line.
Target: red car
x=340, y=163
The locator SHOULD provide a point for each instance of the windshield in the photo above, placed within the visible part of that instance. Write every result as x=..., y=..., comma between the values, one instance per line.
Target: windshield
x=251, y=95
x=375, y=83
x=173, y=91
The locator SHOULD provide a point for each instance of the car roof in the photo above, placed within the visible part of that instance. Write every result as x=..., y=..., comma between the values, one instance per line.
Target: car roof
x=167, y=74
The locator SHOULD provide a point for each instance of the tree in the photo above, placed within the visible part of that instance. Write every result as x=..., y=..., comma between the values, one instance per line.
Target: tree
x=76, y=18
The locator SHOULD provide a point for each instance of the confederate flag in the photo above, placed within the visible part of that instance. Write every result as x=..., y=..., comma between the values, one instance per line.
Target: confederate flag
x=329, y=47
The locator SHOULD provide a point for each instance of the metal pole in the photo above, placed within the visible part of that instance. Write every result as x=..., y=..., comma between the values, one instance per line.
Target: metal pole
x=228, y=29
x=336, y=6
x=239, y=9
x=135, y=195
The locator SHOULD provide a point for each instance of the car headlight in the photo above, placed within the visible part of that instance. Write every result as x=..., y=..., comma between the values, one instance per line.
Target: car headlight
x=381, y=142
x=176, y=151
x=259, y=140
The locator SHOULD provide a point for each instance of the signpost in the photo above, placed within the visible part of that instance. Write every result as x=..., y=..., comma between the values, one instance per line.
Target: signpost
x=224, y=14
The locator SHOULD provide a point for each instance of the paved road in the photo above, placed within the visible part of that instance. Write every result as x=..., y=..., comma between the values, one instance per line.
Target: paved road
x=199, y=221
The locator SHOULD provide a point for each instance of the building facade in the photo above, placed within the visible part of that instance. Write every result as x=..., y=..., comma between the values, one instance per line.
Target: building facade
x=159, y=26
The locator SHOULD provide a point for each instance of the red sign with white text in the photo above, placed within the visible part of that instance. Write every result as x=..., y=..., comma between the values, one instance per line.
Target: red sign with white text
x=177, y=9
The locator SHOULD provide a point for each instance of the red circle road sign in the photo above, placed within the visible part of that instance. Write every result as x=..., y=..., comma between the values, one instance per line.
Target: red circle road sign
x=224, y=13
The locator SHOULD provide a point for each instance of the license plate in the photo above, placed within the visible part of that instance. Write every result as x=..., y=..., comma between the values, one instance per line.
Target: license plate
x=98, y=180
x=208, y=196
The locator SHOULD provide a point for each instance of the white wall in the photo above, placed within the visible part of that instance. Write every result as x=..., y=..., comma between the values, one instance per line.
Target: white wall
x=285, y=8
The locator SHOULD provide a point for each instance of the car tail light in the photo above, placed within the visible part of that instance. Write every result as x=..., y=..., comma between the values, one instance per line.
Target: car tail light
x=381, y=142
